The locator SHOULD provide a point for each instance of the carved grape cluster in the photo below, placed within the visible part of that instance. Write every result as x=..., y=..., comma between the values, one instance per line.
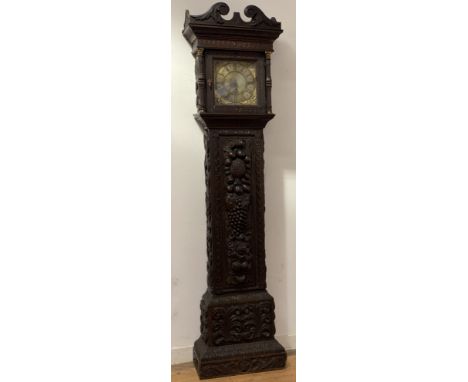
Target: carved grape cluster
x=238, y=218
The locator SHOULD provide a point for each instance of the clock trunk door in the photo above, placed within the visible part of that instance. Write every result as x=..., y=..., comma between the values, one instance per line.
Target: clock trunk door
x=236, y=82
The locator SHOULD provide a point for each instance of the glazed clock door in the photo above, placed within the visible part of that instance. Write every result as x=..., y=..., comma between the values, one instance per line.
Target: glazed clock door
x=236, y=82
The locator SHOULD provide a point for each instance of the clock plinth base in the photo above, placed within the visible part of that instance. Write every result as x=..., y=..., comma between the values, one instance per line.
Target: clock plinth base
x=237, y=335
x=250, y=357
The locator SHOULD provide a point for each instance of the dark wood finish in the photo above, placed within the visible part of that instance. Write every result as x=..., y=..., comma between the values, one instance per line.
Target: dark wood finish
x=237, y=313
x=185, y=372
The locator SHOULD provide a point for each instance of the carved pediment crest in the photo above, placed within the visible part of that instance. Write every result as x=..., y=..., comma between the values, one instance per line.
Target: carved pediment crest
x=215, y=16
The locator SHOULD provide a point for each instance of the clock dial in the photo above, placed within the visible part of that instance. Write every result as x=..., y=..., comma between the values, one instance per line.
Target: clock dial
x=235, y=82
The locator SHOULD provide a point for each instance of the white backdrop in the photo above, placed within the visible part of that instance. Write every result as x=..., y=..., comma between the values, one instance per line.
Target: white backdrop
x=188, y=185
x=85, y=183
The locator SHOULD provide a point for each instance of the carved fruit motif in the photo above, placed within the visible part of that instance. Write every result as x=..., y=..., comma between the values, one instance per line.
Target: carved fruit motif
x=236, y=167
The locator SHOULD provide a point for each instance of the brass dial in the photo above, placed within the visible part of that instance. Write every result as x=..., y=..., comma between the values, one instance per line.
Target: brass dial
x=235, y=82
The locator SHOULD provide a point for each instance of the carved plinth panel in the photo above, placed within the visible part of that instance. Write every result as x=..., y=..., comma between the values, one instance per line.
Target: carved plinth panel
x=231, y=322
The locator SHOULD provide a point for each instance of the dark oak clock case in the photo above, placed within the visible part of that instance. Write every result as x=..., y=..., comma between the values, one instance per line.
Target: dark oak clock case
x=237, y=313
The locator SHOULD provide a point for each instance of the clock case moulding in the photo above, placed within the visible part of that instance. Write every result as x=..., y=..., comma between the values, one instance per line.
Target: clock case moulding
x=237, y=313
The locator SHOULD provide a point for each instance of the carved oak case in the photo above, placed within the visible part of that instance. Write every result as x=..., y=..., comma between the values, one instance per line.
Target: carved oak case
x=233, y=97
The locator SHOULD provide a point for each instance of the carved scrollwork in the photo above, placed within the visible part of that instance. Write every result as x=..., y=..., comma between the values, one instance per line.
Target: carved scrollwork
x=240, y=323
x=215, y=13
x=215, y=16
x=258, y=17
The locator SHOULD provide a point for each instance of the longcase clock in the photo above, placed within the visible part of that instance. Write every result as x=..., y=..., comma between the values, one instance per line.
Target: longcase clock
x=233, y=98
